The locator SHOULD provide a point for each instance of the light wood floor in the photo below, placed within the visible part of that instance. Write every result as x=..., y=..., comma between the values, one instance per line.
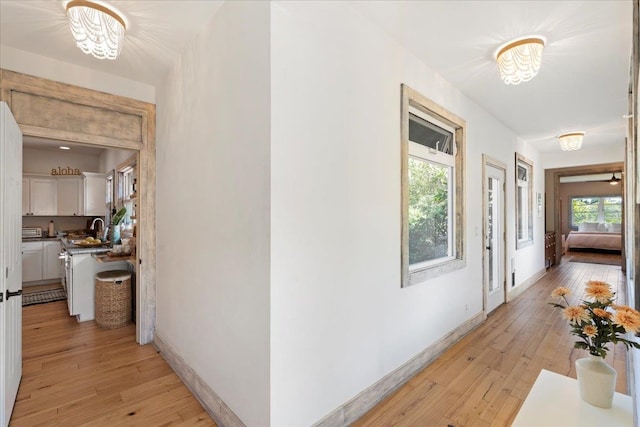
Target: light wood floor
x=80, y=374
x=483, y=380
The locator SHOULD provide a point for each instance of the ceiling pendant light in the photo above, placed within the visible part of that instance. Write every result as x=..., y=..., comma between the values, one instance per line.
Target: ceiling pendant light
x=97, y=29
x=571, y=140
x=519, y=60
x=614, y=180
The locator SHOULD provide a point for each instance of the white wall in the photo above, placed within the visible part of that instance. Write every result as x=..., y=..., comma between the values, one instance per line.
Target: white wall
x=586, y=156
x=60, y=223
x=111, y=158
x=53, y=69
x=529, y=260
x=42, y=161
x=213, y=208
x=339, y=319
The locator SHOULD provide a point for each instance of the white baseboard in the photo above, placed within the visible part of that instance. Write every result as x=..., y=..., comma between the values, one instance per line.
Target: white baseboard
x=512, y=293
x=368, y=398
x=215, y=407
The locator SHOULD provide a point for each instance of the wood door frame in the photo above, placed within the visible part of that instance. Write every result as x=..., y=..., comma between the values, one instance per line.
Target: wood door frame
x=105, y=120
x=554, y=216
x=490, y=161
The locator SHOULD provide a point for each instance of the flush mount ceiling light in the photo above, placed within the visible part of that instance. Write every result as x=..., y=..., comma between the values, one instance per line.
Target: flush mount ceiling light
x=519, y=60
x=97, y=29
x=64, y=147
x=571, y=141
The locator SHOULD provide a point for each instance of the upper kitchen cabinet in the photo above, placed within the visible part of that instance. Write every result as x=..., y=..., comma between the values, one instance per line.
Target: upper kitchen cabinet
x=70, y=196
x=39, y=195
x=94, y=193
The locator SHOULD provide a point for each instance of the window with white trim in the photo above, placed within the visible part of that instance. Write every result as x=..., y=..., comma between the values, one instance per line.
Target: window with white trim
x=596, y=209
x=524, y=202
x=432, y=183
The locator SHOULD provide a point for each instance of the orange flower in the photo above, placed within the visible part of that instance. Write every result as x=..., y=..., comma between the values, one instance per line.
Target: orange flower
x=599, y=291
x=600, y=312
x=575, y=314
x=590, y=330
x=622, y=307
x=560, y=292
x=628, y=318
x=597, y=283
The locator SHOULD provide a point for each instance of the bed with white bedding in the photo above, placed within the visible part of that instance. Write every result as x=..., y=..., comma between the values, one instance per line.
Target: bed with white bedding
x=595, y=236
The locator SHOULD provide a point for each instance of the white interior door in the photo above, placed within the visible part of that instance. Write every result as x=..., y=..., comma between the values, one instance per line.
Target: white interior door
x=10, y=262
x=494, y=238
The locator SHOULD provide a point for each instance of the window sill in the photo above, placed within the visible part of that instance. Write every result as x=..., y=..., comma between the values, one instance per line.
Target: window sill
x=431, y=272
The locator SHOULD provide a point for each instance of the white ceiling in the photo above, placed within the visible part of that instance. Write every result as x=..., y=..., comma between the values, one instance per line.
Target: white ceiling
x=582, y=85
x=157, y=31
x=54, y=145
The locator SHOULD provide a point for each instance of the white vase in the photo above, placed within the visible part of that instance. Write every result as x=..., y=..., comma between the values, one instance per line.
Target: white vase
x=597, y=381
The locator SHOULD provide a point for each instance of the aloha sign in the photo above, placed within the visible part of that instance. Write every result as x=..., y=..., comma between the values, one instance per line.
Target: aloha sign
x=65, y=171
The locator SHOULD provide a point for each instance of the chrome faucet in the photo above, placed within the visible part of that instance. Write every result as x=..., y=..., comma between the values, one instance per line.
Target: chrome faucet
x=93, y=223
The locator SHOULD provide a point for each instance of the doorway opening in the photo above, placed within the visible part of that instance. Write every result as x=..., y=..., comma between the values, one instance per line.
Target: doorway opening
x=81, y=211
x=101, y=120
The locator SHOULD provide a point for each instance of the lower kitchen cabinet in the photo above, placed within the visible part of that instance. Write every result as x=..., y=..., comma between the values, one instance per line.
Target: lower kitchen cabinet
x=52, y=266
x=40, y=261
x=31, y=261
x=81, y=284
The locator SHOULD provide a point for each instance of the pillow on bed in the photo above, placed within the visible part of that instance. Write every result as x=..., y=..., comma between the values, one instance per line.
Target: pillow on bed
x=614, y=228
x=588, y=226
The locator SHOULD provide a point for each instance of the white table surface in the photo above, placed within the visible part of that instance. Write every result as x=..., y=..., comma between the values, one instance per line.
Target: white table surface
x=554, y=401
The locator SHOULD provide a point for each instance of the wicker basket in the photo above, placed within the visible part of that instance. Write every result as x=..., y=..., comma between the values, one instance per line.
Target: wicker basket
x=113, y=298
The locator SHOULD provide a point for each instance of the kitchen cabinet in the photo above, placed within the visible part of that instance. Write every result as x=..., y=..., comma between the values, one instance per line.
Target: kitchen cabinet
x=95, y=193
x=40, y=261
x=81, y=281
x=70, y=196
x=39, y=195
x=52, y=266
x=31, y=261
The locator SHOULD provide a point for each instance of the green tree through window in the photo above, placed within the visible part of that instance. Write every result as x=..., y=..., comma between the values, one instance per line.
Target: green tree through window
x=428, y=211
x=596, y=210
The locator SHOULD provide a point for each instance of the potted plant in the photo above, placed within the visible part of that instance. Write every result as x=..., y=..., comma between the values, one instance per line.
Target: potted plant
x=117, y=218
x=597, y=322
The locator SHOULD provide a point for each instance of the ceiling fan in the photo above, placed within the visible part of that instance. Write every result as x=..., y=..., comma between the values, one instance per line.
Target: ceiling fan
x=616, y=177
x=614, y=180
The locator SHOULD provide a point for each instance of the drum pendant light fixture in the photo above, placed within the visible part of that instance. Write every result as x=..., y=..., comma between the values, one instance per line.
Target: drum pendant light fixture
x=97, y=29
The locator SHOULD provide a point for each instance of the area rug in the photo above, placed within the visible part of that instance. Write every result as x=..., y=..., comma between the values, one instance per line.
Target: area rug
x=42, y=297
x=597, y=259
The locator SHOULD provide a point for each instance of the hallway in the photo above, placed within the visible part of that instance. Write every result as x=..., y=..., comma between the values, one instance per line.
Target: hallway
x=483, y=380
x=76, y=374
x=80, y=374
